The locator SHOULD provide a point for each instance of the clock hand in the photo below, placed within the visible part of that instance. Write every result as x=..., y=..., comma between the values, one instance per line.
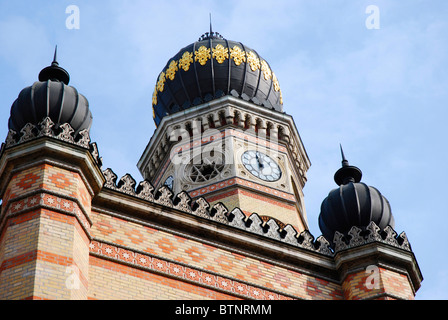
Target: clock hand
x=260, y=161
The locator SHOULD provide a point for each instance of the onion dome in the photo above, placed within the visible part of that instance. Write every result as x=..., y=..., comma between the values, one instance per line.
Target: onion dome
x=352, y=204
x=211, y=68
x=52, y=97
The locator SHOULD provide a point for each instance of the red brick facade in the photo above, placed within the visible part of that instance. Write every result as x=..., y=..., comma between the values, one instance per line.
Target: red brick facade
x=66, y=234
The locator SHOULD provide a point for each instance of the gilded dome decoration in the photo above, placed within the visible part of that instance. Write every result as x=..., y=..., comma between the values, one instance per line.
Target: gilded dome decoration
x=220, y=53
x=208, y=73
x=161, y=82
x=154, y=97
x=202, y=55
x=276, y=84
x=238, y=55
x=171, y=71
x=186, y=60
x=253, y=61
x=266, y=70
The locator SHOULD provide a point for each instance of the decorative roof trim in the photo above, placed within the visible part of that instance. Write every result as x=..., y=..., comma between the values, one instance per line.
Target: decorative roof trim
x=357, y=237
x=201, y=208
x=254, y=223
x=47, y=128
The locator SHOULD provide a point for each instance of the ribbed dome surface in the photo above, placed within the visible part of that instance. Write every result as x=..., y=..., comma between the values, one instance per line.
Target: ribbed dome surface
x=52, y=97
x=211, y=68
x=352, y=204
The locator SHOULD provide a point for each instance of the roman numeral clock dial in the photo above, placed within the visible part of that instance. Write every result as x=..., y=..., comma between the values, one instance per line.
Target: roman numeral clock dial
x=261, y=166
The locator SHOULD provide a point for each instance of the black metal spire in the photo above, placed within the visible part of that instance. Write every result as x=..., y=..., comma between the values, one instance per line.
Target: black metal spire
x=54, y=72
x=344, y=160
x=210, y=34
x=211, y=30
x=55, y=57
x=347, y=173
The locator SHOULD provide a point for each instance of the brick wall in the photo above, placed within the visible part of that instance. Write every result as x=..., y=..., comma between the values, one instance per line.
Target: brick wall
x=189, y=260
x=43, y=235
x=111, y=280
x=53, y=246
x=377, y=284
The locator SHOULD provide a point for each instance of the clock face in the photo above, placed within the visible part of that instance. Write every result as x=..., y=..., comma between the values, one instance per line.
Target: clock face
x=261, y=165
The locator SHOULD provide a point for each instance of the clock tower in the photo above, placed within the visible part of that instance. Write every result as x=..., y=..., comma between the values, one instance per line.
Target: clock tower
x=222, y=134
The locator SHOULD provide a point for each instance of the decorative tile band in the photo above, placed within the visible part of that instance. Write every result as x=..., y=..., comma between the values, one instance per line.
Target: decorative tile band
x=48, y=200
x=241, y=182
x=189, y=274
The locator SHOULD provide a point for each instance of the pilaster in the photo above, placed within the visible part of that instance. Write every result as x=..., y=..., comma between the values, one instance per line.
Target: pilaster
x=46, y=186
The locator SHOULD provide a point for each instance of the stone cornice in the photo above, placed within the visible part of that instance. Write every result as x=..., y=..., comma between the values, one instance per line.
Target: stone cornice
x=382, y=255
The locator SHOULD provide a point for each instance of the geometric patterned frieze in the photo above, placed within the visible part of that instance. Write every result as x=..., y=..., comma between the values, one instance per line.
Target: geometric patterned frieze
x=241, y=182
x=182, y=272
x=47, y=200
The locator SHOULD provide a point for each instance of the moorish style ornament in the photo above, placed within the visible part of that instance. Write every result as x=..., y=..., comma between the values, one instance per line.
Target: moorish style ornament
x=220, y=53
x=10, y=138
x=202, y=81
x=111, y=179
x=145, y=190
x=219, y=212
x=171, y=71
x=202, y=55
x=154, y=96
x=66, y=133
x=276, y=84
x=238, y=219
x=186, y=60
x=272, y=229
x=307, y=240
x=253, y=61
x=27, y=132
x=85, y=138
x=237, y=55
x=200, y=208
x=46, y=127
x=164, y=196
x=127, y=184
x=183, y=202
x=266, y=70
x=161, y=82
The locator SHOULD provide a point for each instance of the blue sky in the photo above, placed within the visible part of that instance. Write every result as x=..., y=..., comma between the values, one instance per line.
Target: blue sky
x=382, y=93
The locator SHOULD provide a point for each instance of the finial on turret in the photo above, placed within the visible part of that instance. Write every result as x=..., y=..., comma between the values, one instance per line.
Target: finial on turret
x=344, y=160
x=211, y=30
x=54, y=72
x=347, y=173
x=210, y=34
x=55, y=57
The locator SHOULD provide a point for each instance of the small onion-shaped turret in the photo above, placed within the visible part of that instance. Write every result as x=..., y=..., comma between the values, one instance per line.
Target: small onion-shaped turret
x=52, y=97
x=352, y=204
